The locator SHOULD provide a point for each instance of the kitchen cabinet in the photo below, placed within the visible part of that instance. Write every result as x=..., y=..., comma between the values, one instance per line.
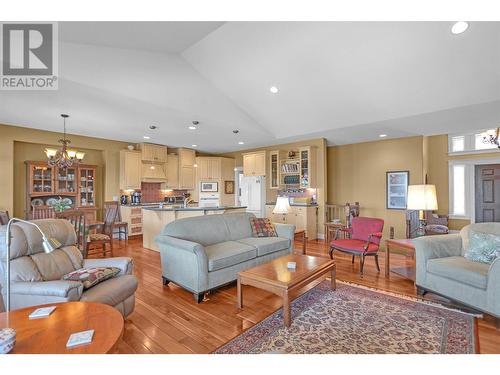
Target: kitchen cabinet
x=303, y=217
x=215, y=168
x=254, y=164
x=307, y=157
x=154, y=153
x=173, y=171
x=181, y=170
x=130, y=170
x=187, y=177
x=275, y=159
x=133, y=217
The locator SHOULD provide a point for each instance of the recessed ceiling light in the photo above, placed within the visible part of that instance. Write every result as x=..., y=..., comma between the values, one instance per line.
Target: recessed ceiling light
x=459, y=27
x=146, y=137
x=383, y=135
x=192, y=127
x=194, y=145
x=274, y=89
x=241, y=143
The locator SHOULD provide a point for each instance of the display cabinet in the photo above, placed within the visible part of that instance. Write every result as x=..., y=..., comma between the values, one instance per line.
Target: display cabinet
x=86, y=196
x=40, y=178
x=66, y=181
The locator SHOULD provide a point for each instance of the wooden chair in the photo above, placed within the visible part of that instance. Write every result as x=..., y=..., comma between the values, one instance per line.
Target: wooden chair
x=122, y=226
x=42, y=212
x=364, y=240
x=77, y=219
x=104, y=234
x=339, y=216
x=4, y=217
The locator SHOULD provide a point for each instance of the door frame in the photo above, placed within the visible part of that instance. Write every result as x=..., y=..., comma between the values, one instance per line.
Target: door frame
x=470, y=179
x=237, y=172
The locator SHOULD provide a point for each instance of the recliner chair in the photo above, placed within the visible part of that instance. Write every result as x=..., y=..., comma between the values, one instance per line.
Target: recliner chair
x=36, y=277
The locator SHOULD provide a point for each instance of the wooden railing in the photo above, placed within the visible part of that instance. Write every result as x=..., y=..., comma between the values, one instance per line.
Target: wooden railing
x=341, y=212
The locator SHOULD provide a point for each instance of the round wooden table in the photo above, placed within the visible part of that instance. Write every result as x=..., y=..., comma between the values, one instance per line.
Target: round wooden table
x=50, y=335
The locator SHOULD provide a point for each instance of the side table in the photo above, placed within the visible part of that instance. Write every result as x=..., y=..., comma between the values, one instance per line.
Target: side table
x=407, y=246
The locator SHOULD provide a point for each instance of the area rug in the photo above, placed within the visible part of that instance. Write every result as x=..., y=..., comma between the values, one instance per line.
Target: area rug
x=354, y=319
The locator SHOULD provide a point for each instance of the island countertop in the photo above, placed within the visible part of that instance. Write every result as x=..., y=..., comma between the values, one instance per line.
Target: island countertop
x=195, y=208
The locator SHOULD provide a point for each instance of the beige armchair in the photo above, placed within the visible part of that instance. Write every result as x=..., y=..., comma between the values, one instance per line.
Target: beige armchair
x=36, y=277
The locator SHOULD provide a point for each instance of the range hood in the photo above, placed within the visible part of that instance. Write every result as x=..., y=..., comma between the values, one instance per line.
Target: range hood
x=153, y=172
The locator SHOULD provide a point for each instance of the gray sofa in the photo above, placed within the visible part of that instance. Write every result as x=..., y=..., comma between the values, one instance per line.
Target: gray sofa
x=443, y=269
x=36, y=276
x=202, y=253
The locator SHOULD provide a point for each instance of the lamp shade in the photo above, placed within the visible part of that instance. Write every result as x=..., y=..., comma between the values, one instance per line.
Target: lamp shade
x=282, y=206
x=422, y=197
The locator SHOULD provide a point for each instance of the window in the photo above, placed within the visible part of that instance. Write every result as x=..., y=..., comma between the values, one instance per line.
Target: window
x=458, y=143
x=479, y=143
x=458, y=191
x=470, y=143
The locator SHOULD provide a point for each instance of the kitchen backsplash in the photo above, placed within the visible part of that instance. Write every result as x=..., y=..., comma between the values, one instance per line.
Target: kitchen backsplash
x=299, y=193
x=151, y=192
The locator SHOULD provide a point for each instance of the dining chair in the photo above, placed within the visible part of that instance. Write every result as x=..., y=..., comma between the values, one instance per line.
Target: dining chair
x=4, y=217
x=42, y=212
x=104, y=233
x=365, y=234
x=77, y=219
x=121, y=226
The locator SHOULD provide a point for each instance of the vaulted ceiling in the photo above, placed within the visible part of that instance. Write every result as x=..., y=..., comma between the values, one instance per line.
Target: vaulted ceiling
x=345, y=81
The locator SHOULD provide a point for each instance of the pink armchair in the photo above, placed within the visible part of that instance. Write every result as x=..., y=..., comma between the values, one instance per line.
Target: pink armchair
x=364, y=240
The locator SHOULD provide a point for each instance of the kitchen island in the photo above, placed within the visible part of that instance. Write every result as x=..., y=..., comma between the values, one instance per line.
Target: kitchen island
x=155, y=218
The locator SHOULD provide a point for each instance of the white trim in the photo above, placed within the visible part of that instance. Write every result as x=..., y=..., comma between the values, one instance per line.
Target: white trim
x=474, y=152
x=470, y=204
x=469, y=144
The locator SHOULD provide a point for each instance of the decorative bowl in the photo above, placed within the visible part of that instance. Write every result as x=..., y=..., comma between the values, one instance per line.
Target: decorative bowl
x=7, y=340
x=130, y=147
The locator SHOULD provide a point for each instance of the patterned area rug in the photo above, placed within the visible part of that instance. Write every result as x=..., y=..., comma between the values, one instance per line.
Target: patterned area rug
x=354, y=319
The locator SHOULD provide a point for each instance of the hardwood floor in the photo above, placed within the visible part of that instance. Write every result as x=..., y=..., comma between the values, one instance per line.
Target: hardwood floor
x=167, y=319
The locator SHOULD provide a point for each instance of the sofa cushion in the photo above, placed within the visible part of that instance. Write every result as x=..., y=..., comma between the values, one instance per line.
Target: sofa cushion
x=266, y=245
x=206, y=230
x=54, y=265
x=238, y=225
x=493, y=228
x=461, y=270
x=262, y=227
x=112, y=291
x=229, y=253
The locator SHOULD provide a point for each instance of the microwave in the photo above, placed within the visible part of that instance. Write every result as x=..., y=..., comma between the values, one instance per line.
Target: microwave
x=209, y=187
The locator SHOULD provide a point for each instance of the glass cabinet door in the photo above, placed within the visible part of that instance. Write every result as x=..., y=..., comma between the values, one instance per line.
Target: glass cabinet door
x=41, y=179
x=304, y=168
x=274, y=162
x=87, y=185
x=65, y=180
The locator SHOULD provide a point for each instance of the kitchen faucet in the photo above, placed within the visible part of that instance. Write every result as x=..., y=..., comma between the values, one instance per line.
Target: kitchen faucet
x=187, y=200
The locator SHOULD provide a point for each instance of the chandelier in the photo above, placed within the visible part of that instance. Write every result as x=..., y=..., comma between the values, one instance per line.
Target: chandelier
x=63, y=158
x=492, y=136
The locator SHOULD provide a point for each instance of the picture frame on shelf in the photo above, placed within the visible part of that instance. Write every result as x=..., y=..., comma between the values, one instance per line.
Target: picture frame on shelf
x=397, y=189
x=229, y=187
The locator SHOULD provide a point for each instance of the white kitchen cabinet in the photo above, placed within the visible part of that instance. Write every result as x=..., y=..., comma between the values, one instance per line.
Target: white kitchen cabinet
x=303, y=217
x=130, y=170
x=254, y=164
x=154, y=153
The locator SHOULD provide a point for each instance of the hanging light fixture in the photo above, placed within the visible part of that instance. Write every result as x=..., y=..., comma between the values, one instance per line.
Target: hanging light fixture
x=492, y=136
x=63, y=158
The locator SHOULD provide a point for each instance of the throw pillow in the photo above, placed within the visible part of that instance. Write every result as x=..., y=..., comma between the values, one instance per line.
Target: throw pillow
x=483, y=247
x=262, y=227
x=92, y=276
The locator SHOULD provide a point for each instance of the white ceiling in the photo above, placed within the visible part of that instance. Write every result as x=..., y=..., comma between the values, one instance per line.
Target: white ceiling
x=345, y=81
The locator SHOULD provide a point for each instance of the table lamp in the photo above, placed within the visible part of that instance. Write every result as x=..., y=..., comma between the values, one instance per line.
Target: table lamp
x=422, y=198
x=282, y=207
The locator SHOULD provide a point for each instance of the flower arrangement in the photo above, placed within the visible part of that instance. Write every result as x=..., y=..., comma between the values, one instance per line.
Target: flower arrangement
x=60, y=205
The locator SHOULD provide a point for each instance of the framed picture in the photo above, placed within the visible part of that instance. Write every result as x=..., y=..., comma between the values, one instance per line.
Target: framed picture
x=397, y=189
x=228, y=187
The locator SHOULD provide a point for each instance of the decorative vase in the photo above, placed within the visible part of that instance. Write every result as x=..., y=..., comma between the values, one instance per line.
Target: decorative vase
x=7, y=340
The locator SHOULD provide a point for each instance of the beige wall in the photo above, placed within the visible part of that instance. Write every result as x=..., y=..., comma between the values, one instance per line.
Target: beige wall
x=321, y=170
x=357, y=172
x=109, y=150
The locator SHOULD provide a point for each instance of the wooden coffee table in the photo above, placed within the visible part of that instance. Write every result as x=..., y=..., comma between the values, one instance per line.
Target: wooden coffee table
x=276, y=278
x=49, y=335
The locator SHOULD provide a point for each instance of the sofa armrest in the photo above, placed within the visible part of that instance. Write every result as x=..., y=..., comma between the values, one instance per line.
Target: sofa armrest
x=285, y=231
x=178, y=243
x=55, y=288
x=125, y=264
x=493, y=286
x=431, y=247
